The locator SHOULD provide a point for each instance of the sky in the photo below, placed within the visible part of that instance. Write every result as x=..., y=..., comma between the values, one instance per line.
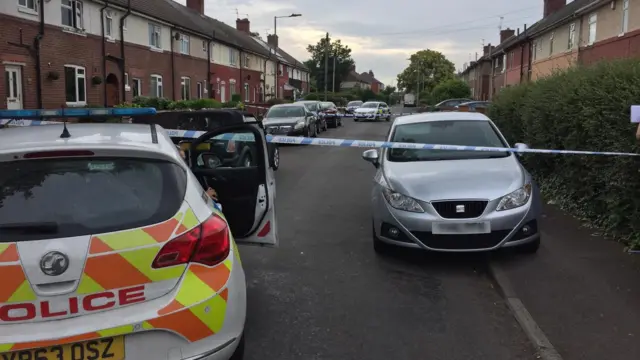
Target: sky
x=381, y=33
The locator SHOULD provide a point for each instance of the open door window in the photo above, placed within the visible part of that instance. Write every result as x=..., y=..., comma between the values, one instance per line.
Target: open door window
x=234, y=161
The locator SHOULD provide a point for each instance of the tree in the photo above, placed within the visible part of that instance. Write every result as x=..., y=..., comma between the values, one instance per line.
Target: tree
x=450, y=89
x=316, y=63
x=426, y=69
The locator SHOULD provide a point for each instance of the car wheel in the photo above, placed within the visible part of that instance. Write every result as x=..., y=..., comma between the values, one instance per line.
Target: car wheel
x=530, y=247
x=325, y=126
x=307, y=132
x=354, y=119
x=275, y=159
x=239, y=353
x=314, y=131
x=388, y=118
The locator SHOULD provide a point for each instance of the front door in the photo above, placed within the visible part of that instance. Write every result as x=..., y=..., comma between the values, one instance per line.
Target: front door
x=13, y=80
x=223, y=92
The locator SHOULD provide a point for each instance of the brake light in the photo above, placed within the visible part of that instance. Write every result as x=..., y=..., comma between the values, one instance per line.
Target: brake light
x=207, y=244
x=231, y=146
x=57, y=153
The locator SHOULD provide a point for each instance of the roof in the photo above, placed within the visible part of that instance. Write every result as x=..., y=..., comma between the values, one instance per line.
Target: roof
x=371, y=79
x=439, y=116
x=191, y=20
x=353, y=76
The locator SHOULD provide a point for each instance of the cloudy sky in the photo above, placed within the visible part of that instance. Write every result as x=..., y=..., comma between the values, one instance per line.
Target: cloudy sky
x=383, y=34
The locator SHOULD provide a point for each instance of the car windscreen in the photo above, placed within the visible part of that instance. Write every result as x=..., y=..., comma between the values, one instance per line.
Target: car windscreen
x=450, y=132
x=66, y=197
x=369, y=105
x=285, y=112
x=354, y=103
x=311, y=106
x=327, y=105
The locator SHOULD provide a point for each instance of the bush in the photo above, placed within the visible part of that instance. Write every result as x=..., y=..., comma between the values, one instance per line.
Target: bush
x=450, y=89
x=312, y=96
x=236, y=98
x=581, y=109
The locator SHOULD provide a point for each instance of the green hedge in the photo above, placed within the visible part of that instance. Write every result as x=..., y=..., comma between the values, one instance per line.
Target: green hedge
x=166, y=104
x=583, y=108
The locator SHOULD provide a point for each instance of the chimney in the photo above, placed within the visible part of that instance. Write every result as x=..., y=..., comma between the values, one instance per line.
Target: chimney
x=197, y=5
x=551, y=6
x=243, y=25
x=272, y=40
x=487, y=49
x=505, y=34
x=371, y=73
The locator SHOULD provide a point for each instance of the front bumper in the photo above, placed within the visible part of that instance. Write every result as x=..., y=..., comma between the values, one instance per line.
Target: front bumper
x=284, y=130
x=361, y=116
x=414, y=229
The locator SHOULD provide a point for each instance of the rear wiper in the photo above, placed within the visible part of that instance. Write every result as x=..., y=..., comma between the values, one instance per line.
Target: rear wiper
x=30, y=227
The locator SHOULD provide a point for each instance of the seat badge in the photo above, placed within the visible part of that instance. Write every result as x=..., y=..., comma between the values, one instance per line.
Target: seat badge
x=459, y=209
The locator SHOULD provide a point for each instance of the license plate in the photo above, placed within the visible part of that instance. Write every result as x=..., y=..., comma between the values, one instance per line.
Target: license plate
x=449, y=228
x=99, y=349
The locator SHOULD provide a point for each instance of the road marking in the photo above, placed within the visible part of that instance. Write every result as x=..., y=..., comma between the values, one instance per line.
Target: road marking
x=544, y=348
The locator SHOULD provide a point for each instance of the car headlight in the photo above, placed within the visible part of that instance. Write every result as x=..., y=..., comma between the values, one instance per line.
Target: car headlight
x=401, y=202
x=299, y=125
x=515, y=199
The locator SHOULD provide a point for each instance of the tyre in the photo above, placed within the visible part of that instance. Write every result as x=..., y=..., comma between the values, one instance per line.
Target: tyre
x=275, y=159
x=530, y=247
x=325, y=126
x=315, y=131
x=307, y=132
x=239, y=353
x=354, y=119
x=388, y=118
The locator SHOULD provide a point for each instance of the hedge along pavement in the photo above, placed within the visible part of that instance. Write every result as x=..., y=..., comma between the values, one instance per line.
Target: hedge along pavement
x=583, y=108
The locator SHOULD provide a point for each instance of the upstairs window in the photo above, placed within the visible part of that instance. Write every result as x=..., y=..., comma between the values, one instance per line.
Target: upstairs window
x=184, y=44
x=71, y=11
x=29, y=5
x=154, y=36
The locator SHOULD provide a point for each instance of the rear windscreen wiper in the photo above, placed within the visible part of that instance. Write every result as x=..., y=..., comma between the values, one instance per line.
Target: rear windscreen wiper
x=30, y=228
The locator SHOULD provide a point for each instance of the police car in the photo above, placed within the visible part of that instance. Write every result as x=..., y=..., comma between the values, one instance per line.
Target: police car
x=372, y=110
x=111, y=249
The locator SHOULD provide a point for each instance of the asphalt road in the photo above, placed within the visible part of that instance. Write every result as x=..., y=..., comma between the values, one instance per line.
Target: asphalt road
x=324, y=294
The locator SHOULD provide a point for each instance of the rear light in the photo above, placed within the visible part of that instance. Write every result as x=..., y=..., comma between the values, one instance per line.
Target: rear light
x=231, y=146
x=208, y=244
x=57, y=153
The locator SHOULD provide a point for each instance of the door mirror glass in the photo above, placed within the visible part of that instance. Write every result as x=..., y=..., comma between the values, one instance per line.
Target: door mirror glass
x=521, y=146
x=371, y=156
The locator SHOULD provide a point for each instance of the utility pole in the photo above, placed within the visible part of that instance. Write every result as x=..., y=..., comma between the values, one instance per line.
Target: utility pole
x=326, y=66
x=333, y=82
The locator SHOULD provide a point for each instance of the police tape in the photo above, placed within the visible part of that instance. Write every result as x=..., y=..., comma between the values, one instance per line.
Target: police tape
x=368, y=115
x=348, y=143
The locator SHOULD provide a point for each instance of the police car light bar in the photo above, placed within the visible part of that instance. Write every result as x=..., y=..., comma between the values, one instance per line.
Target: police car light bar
x=74, y=112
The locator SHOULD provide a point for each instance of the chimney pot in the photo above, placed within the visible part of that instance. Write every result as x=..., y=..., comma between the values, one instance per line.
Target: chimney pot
x=505, y=34
x=243, y=25
x=197, y=5
x=551, y=6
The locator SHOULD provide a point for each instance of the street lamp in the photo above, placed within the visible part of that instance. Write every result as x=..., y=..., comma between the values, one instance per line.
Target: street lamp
x=275, y=48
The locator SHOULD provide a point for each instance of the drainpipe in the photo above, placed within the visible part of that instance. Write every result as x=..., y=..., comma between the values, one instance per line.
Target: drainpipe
x=104, y=55
x=242, y=94
x=37, y=41
x=493, y=72
x=522, y=53
x=209, y=88
x=173, y=65
x=122, y=52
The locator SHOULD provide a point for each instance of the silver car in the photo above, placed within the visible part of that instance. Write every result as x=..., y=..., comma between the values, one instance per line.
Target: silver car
x=451, y=200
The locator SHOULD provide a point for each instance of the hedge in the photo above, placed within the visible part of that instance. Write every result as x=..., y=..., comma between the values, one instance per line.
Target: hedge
x=583, y=108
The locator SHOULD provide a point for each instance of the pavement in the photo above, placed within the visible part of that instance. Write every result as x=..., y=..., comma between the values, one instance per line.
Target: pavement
x=324, y=294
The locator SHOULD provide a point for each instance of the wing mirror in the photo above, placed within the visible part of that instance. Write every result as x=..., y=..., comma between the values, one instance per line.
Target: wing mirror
x=208, y=160
x=521, y=146
x=372, y=156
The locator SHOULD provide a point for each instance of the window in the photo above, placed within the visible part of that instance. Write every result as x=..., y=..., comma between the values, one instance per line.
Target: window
x=204, y=45
x=200, y=87
x=247, y=94
x=593, y=20
x=75, y=85
x=108, y=25
x=31, y=5
x=281, y=70
x=572, y=36
x=71, y=11
x=232, y=87
x=625, y=16
x=232, y=56
x=551, y=44
x=137, y=87
x=62, y=191
x=246, y=61
x=154, y=36
x=185, y=88
x=126, y=78
x=124, y=23
x=184, y=44
x=156, y=86
x=512, y=59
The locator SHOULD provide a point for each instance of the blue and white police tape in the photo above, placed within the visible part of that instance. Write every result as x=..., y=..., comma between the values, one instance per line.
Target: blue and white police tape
x=193, y=134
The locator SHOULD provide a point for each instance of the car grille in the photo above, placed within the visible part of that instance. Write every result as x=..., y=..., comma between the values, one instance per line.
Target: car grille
x=460, y=209
x=278, y=129
x=461, y=242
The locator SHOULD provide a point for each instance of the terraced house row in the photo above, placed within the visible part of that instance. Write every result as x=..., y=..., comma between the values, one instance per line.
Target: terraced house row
x=580, y=32
x=65, y=53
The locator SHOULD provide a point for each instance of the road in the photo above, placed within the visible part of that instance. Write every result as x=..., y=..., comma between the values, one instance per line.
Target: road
x=324, y=294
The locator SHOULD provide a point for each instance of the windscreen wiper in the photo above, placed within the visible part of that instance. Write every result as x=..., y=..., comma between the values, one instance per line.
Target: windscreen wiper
x=43, y=227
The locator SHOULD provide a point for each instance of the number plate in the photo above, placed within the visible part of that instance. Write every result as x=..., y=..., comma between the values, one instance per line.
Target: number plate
x=449, y=228
x=99, y=349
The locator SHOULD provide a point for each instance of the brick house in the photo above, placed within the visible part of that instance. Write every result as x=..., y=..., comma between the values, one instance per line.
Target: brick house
x=69, y=53
x=376, y=85
x=353, y=80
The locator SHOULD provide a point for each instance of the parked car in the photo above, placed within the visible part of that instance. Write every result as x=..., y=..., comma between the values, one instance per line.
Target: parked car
x=452, y=200
x=205, y=120
x=478, y=106
x=290, y=120
x=314, y=107
x=352, y=106
x=329, y=112
x=372, y=110
x=448, y=105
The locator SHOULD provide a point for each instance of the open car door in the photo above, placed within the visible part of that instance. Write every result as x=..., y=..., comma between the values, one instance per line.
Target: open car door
x=234, y=161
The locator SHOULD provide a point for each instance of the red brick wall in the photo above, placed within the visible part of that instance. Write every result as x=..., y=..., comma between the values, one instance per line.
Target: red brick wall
x=520, y=61
x=60, y=48
x=613, y=48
